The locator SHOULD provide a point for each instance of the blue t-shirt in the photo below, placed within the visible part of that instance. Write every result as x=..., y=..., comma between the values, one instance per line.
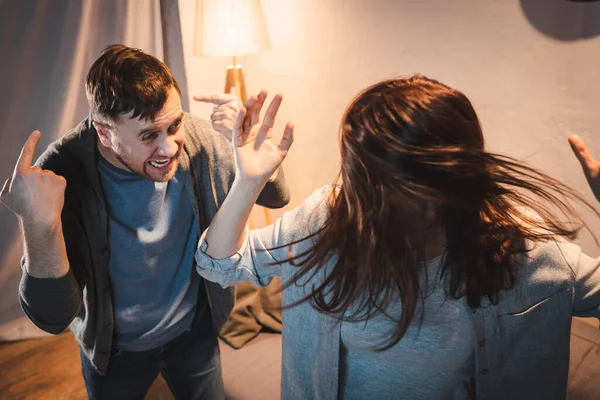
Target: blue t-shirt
x=153, y=236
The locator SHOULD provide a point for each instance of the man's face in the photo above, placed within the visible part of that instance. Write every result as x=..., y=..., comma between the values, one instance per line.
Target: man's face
x=148, y=148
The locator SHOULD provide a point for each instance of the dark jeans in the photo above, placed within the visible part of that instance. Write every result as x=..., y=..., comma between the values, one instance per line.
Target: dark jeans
x=190, y=364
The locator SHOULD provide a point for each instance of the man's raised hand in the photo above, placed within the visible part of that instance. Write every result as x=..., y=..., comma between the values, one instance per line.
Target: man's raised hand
x=225, y=110
x=35, y=195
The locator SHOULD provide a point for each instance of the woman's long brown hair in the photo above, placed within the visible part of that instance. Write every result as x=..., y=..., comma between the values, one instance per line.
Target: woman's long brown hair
x=413, y=160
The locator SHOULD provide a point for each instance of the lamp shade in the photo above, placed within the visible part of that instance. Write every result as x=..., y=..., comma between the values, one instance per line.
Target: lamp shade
x=229, y=28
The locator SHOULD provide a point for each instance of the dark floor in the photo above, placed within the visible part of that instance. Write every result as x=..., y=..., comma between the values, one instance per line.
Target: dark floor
x=49, y=368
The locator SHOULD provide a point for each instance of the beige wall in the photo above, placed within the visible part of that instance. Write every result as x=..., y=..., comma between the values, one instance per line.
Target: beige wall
x=519, y=62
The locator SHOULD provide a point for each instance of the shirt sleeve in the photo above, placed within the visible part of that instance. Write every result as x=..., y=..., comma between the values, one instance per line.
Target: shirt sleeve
x=586, y=302
x=264, y=251
x=50, y=303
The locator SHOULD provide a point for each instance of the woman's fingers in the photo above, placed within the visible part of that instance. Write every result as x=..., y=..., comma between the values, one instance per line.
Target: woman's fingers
x=288, y=138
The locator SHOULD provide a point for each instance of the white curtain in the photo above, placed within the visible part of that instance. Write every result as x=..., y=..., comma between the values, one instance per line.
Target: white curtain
x=46, y=48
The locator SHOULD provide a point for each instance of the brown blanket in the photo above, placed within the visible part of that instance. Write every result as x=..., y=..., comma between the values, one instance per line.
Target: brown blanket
x=256, y=309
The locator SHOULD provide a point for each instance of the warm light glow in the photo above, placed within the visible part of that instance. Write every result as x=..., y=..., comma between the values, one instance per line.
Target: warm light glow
x=229, y=28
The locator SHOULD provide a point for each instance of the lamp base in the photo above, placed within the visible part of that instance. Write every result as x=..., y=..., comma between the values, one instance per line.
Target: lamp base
x=234, y=81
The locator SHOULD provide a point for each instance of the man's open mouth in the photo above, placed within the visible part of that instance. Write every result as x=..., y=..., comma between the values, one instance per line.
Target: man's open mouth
x=161, y=164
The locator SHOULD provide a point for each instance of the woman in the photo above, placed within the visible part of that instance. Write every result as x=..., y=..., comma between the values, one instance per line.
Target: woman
x=421, y=275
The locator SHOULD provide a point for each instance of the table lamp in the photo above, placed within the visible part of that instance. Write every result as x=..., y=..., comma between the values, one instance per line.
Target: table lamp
x=230, y=28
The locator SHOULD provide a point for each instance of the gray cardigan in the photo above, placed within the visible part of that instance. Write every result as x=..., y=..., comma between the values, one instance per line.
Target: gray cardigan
x=521, y=345
x=82, y=298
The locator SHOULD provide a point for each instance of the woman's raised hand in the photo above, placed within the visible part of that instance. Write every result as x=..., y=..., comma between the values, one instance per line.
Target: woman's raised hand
x=256, y=156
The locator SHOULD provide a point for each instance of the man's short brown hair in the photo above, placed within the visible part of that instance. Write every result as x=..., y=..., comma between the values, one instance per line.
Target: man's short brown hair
x=124, y=80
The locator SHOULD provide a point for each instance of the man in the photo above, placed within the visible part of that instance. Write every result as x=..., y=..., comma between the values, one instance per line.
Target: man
x=111, y=215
